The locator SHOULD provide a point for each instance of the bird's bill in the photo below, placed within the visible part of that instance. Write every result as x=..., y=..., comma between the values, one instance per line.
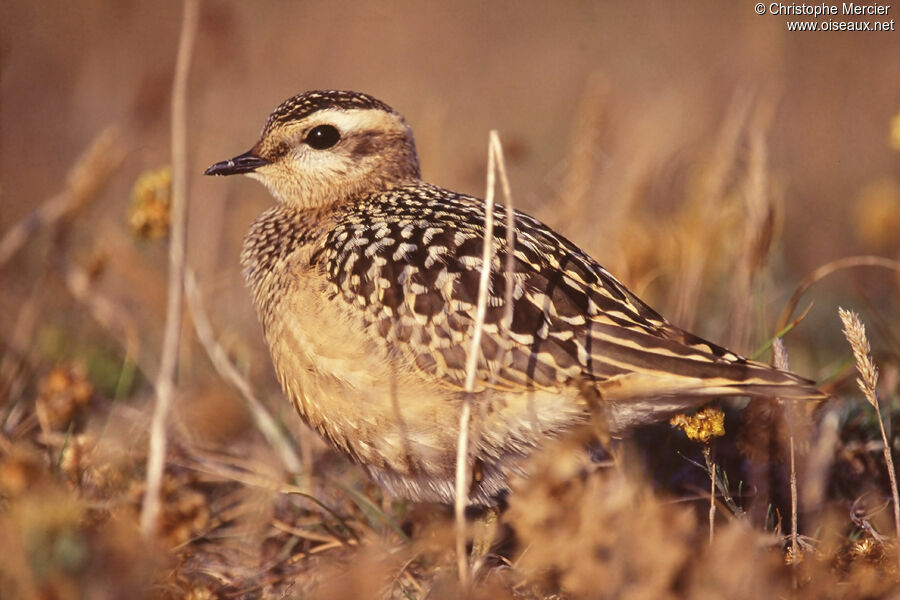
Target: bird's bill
x=243, y=163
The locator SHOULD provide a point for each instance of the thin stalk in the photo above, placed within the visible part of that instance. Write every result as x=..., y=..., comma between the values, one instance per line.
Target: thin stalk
x=165, y=381
x=781, y=361
x=462, y=446
x=264, y=421
x=711, y=467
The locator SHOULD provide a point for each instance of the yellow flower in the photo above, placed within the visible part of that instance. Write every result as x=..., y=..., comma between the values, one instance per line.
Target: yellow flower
x=702, y=426
x=151, y=204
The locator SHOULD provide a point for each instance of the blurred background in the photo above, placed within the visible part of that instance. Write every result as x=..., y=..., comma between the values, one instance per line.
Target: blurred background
x=614, y=118
x=707, y=156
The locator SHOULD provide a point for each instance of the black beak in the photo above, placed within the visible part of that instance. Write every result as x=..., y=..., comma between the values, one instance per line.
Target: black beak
x=245, y=163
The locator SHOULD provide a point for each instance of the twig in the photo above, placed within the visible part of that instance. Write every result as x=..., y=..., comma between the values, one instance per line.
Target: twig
x=781, y=362
x=855, y=332
x=165, y=381
x=219, y=358
x=462, y=448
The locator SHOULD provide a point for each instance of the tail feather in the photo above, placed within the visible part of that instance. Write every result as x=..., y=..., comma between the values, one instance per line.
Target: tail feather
x=656, y=377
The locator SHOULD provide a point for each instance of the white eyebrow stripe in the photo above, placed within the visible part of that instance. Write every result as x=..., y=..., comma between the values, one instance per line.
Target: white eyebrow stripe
x=354, y=119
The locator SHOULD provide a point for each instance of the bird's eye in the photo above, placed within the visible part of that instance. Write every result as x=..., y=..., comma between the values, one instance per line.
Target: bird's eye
x=323, y=136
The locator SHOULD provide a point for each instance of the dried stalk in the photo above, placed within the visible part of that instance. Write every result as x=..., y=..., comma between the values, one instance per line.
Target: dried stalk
x=510, y=234
x=711, y=468
x=462, y=476
x=855, y=332
x=495, y=155
x=219, y=358
x=165, y=381
x=780, y=359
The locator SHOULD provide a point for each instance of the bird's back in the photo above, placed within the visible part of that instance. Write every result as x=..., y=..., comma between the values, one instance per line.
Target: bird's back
x=409, y=259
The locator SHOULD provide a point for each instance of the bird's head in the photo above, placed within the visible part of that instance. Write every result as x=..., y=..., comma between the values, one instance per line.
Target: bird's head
x=322, y=147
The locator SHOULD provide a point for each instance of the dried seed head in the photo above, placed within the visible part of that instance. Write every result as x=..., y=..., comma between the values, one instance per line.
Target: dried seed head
x=62, y=394
x=151, y=204
x=855, y=332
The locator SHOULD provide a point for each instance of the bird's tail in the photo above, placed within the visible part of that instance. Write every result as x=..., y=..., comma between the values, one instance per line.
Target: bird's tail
x=660, y=376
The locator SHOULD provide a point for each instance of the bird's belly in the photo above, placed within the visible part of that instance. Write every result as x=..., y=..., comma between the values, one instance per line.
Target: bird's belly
x=343, y=382
x=400, y=423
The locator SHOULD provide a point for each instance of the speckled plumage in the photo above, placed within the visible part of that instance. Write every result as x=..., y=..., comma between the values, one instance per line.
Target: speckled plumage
x=365, y=279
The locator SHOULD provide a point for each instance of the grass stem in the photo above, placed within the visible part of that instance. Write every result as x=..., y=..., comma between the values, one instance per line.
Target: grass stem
x=165, y=381
x=781, y=361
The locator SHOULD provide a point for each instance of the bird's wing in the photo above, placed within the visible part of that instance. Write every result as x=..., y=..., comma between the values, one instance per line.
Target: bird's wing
x=411, y=262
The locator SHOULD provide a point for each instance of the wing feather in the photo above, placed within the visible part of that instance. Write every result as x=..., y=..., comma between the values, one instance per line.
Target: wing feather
x=411, y=261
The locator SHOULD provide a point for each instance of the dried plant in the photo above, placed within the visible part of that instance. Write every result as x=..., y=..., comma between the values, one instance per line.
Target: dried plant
x=780, y=360
x=704, y=425
x=855, y=332
x=495, y=163
x=150, y=215
x=165, y=381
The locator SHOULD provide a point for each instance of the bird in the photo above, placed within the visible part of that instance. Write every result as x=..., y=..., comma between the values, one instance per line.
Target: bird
x=365, y=279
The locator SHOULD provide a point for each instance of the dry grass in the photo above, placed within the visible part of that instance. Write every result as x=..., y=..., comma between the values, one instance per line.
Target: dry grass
x=855, y=332
x=165, y=382
x=700, y=159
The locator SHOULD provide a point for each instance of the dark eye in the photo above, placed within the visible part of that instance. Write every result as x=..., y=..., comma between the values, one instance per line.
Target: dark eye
x=323, y=136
